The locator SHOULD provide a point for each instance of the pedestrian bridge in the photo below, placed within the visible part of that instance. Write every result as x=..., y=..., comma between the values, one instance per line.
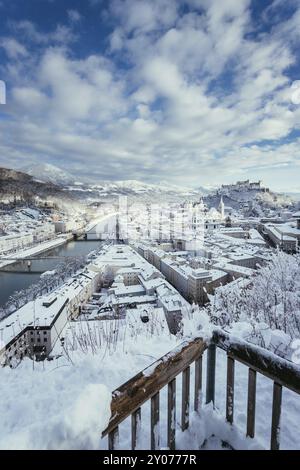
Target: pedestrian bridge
x=104, y=228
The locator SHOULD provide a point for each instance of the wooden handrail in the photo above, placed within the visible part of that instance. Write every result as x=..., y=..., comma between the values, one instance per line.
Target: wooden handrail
x=145, y=385
x=283, y=372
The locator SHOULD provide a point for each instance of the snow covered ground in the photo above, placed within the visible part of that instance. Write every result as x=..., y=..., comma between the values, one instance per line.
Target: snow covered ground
x=39, y=405
x=65, y=403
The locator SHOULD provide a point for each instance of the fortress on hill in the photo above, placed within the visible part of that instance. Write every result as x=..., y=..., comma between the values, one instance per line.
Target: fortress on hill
x=243, y=186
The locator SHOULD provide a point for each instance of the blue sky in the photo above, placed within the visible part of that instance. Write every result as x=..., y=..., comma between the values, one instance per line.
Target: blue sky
x=193, y=92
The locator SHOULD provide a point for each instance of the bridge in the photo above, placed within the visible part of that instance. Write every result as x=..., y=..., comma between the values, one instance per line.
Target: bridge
x=104, y=228
x=98, y=229
x=34, y=258
x=26, y=266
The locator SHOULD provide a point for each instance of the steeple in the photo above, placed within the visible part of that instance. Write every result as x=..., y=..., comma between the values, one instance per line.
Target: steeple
x=222, y=208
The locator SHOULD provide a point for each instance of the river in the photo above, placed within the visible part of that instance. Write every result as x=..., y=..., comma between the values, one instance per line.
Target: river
x=19, y=277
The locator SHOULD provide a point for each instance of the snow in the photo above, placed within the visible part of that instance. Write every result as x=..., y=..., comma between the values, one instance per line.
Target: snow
x=35, y=250
x=64, y=408
x=37, y=313
x=48, y=173
x=64, y=403
x=48, y=273
x=31, y=314
x=208, y=429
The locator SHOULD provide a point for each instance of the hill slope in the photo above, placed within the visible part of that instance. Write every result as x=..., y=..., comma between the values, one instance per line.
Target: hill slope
x=49, y=174
x=15, y=185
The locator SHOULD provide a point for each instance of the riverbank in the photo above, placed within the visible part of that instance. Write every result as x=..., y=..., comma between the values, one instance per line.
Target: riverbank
x=35, y=250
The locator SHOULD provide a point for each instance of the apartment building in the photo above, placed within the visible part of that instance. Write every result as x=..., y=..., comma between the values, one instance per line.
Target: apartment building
x=15, y=242
x=141, y=283
x=194, y=284
x=34, y=329
x=285, y=236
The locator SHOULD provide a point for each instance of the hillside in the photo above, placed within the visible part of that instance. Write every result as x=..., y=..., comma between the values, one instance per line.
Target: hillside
x=48, y=174
x=17, y=186
x=253, y=202
x=135, y=190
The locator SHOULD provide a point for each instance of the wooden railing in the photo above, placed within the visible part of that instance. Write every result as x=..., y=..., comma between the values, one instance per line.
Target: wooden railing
x=128, y=399
x=282, y=372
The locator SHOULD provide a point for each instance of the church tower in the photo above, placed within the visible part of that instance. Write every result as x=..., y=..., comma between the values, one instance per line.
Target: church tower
x=222, y=208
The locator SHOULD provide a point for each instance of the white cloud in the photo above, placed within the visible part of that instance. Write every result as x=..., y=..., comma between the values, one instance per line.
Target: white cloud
x=198, y=93
x=143, y=16
x=74, y=16
x=13, y=48
x=60, y=35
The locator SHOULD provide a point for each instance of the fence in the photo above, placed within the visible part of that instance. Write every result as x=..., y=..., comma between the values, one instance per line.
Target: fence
x=146, y=385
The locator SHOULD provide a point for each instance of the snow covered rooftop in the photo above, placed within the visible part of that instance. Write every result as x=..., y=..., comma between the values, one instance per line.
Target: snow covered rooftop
x=43, y=310
x=233, y=268
x=123, y=290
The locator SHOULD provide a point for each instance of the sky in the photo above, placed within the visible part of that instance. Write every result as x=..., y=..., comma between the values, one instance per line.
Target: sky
x=189, y=92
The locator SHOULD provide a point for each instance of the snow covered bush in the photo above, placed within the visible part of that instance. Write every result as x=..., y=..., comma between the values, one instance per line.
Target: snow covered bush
x=196, y=322
x=268, y=304
x=104, y=337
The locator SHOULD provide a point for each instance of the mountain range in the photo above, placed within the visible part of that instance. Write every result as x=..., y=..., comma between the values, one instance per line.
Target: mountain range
x=50, y=182
x=48, y=173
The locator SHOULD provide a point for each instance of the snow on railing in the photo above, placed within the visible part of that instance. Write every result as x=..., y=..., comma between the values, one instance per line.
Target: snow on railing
x=146, y=385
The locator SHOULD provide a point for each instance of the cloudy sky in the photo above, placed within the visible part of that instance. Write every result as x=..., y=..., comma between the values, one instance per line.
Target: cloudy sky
x=193, y=92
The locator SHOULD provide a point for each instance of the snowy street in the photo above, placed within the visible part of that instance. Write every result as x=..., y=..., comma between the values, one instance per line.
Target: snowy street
x=34, y=250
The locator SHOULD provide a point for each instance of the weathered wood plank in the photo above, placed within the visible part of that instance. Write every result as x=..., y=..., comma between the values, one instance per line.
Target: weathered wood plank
x=198, y=384
x=251, y=403
x=185, y=405
x=134, y=393
x=211, y=373
x=113, y=438
x=135, y=427
x=276, y=414
x=230, y=390
x=155, y=422
x=172, y=415
x=276, y=368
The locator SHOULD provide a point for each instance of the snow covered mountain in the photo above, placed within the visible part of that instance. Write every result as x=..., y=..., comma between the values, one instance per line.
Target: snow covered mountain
x=49, y=174
x=19, y=186
x=106, y=190
x=140, y=187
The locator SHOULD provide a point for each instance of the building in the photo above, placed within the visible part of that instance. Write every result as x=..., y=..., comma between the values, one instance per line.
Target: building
x=285, y=236
x=221, y=208
x=9, y=243
x=34, y=329
x=245, y=185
